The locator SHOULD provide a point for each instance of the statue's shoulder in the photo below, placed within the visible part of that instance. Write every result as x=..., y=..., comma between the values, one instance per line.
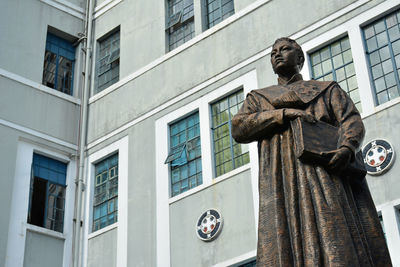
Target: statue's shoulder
x=270, y=91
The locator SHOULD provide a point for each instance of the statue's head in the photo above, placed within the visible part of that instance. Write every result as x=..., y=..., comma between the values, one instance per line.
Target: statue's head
x=287, y=57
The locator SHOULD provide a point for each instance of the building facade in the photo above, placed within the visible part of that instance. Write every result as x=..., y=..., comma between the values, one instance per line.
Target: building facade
x=115, y=122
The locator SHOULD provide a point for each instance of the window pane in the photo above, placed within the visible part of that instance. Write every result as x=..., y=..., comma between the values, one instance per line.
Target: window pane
x=105, y=193
x=226, y=150
x=383, y=62
x=107, y=66
x=47, y=193
x=182, y=172
x=337, y=65
x=58, y=64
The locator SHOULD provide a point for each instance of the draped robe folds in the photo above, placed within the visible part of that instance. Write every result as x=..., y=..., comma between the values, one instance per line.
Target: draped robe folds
x=307, y=215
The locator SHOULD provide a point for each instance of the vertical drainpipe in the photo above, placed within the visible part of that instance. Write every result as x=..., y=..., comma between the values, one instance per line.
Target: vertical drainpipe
x=82, y=137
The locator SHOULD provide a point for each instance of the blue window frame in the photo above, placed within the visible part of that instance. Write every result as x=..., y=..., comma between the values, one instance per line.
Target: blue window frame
x=180, y=22
x=47, y=193
x=58, y=70
x=107, y=67
x=105, y=202
x=335, y=62
x=185, y=154
x=218, y=10
x=382, y=41
x=228, y=154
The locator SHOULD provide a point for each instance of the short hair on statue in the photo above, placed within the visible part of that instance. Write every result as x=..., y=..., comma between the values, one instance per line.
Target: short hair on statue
x=295, y=45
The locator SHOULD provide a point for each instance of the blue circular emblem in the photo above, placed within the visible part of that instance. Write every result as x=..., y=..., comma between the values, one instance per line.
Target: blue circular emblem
x=378, y=156
x=209, y=225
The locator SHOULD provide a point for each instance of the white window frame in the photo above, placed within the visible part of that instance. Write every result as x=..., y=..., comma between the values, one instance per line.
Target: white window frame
x=353, y=29
x=18, y=225
x=247, y=82
x=389, y=212
x=121, y=147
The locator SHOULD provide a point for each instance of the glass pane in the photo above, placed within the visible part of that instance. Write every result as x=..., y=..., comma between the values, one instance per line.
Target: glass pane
x=382, y=39
x=350, y=70
x=371, y=44
x=335, y=48
x=393, y=92
x=384, y=53
x=390, y=80
x=340, y=74
x=380, y=85
x=347, y=58
x=382, y=97
x=337, y=61
x=377, y=71
x=325, y=53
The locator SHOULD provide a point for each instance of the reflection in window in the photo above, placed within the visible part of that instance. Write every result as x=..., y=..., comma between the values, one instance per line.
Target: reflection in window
x=105, y=200
x=335, y=62
x=107, y=67
x=228, y=154
x=180, y=22
x=185, y=154
x=218, y=10
x=382, y=39
x=58, y=64
x=47, y=193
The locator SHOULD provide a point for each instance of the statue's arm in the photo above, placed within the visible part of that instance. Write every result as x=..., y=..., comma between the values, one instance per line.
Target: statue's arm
x=252, y=123
x=351, y=127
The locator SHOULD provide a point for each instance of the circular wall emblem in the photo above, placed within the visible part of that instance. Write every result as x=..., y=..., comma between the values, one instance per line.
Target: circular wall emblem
x=209, y=225
x=378, y=156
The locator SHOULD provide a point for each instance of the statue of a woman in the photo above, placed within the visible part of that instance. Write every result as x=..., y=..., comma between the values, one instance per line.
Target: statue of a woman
x=309, y=214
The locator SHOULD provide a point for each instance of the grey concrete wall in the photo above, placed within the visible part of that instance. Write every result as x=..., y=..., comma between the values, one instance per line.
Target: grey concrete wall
x=43, y=251
x=40, y=111
x=8, y=142
x=142, y=37
x=202, y=61
x=233, y=198
x=385, y=125
x=23, y=44
x=141, y=197
x=102, y=250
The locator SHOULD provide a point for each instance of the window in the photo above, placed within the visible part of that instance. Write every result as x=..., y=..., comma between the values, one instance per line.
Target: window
x=382, y=40
x=180, y=22
x=47, y=193
x=105, y=200
x=218, y=10
x=58, y=64
x=335, y=62
x=108, y=61
x=185, y=154
x=228, y=154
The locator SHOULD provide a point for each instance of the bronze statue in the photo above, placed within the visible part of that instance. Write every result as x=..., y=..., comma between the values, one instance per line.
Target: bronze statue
x=311, y=213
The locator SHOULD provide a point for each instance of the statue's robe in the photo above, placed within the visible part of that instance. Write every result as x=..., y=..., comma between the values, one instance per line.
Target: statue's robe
x=307, y=215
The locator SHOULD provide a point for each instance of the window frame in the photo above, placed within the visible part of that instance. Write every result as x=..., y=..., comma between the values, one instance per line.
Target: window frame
x=333, y=70
x=220, y=6
x=48, y=194
x=96, y=70
x=179, y=24
x=121, y=147
x=61, y=44
x=113, y=199
x=396, y=72
x=229, y=122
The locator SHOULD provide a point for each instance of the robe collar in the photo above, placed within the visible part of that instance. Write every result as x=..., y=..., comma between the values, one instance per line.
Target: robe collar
x=295, y=78
x=294, y=93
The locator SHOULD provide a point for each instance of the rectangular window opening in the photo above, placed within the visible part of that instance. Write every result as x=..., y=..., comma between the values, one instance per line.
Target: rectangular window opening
x=58, y=68
x=334, y=62
x=180, y=22
x=228, y=155
x=108, y=59
x=382, y=44
x=105, y=197
x=184, y=157
x=218, y=10
x=47, y=193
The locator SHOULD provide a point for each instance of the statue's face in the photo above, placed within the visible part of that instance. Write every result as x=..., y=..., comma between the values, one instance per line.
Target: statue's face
x=285, y=58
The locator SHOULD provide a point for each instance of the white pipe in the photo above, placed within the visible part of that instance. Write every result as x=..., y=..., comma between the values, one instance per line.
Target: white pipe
x=82, y=135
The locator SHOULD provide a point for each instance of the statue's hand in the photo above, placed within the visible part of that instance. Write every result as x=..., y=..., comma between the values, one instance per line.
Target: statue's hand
x=340, y=159
x=291, y=114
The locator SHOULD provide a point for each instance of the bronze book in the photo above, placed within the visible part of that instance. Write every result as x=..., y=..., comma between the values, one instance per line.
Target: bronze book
x=315, y=143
